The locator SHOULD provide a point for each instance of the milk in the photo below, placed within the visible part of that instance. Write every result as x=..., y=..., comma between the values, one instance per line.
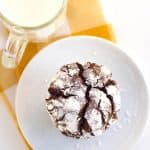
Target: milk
x=30, y=13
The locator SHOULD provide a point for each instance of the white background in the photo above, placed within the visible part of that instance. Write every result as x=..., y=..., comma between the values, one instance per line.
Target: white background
x=131, y=22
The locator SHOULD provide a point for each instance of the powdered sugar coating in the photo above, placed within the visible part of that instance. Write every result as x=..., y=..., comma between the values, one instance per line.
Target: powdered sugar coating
x=84, y=100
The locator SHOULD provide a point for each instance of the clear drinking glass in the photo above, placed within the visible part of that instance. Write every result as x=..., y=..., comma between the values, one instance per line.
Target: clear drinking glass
x=20, y=36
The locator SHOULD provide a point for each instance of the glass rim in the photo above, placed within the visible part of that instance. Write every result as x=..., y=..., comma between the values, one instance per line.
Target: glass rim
x=8, y=22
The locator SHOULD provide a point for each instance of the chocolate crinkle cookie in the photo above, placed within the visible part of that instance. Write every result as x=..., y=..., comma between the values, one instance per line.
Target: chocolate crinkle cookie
x=84, y=100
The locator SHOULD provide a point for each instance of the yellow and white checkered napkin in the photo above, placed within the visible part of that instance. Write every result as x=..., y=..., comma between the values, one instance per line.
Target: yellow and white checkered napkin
x=84, y=17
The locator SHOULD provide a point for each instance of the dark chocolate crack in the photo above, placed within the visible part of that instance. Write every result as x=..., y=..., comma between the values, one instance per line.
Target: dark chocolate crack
x=113, y=114
x=81, y=72
x=56, y=93
x=110, y=82
x=102, y=114
x=70, y=134
x=66, y=68
x=83, y=124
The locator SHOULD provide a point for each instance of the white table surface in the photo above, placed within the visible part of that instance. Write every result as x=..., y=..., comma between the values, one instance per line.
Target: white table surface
x=131, y=22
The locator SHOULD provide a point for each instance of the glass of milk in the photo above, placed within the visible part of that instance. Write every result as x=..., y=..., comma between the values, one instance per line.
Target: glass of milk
x=28, y=20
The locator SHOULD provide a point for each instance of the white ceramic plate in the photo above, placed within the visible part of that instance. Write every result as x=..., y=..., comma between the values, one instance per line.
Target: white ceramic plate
x=32, y=91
